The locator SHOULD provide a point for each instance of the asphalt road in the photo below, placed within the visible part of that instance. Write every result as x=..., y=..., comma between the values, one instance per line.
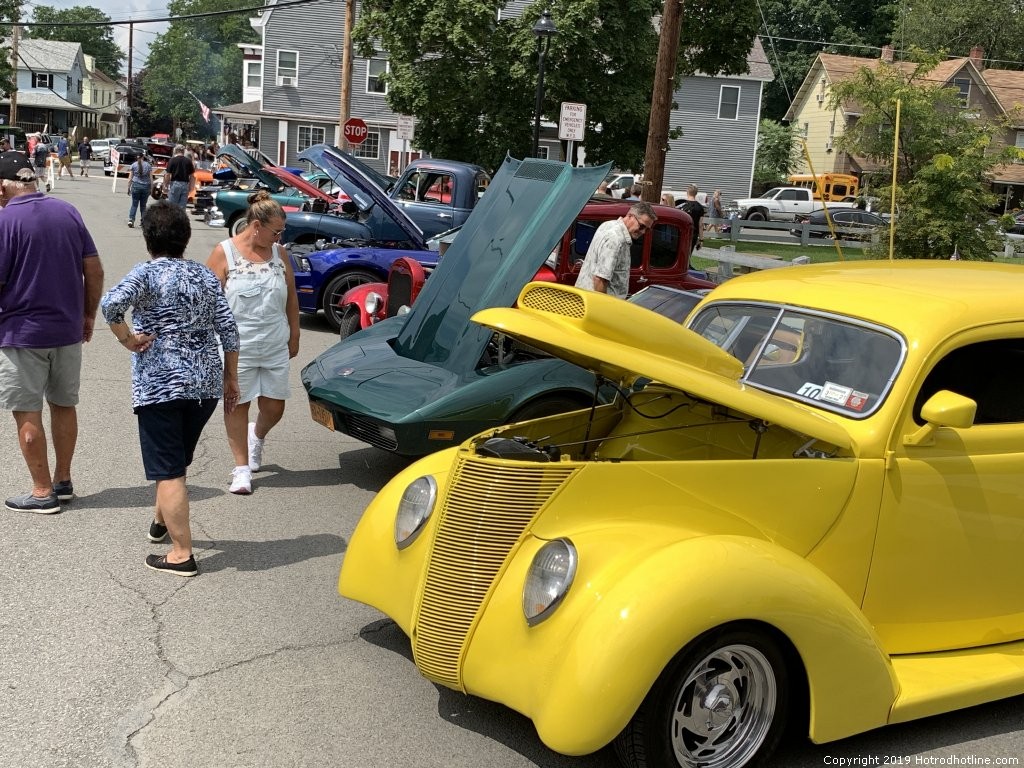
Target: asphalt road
x=257, y=663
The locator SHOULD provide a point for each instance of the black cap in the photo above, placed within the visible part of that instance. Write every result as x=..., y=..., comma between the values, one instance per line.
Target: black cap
x=15, y=166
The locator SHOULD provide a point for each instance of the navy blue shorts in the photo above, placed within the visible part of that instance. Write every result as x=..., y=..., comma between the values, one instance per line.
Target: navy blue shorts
x=169, y=433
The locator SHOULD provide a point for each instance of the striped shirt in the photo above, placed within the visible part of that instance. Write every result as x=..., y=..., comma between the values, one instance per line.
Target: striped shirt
x=181, y=303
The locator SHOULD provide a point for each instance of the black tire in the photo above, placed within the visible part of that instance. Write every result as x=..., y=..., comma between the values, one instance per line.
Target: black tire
x=349, y=322
x=722, y=702
x=236, y=225
x=337, y=287
x=757, y=215
x=547, y=405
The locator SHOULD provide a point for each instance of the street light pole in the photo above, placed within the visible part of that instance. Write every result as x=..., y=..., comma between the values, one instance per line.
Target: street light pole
x=544, y=29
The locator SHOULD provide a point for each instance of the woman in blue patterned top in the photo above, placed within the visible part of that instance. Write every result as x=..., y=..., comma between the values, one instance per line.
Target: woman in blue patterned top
x=178, y=312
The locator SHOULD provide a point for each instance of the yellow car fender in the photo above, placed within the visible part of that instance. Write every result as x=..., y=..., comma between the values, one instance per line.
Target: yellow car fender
x=581, y=674
x=374, y=571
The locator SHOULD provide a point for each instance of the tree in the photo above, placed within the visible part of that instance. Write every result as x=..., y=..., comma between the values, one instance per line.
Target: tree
x=196, y=56
x=777, y=153
x=808, y=27
x=10, y=10
x=96, y=40
x=995, y=25
x=470, y=78
x=944, y=163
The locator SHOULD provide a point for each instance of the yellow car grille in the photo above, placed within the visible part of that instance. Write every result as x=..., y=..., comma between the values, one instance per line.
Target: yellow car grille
x=482, y=517
x=554, y=301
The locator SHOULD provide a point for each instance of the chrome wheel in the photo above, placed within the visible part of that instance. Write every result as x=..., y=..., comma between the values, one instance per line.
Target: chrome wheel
x=724, y=709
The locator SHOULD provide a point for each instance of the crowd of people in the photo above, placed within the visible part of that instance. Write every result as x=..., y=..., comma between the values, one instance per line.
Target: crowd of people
x=199, y=335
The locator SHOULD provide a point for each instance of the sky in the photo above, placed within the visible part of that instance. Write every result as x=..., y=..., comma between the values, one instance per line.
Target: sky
x=122, y=10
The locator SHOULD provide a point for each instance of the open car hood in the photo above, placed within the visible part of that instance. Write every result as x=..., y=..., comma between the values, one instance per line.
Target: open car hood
x=624, y=342
x=245, y=165
x=528, y=207
x=289, y=179
x=360, y=187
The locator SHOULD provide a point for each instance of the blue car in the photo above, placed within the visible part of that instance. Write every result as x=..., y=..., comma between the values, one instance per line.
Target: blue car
x=373, y=232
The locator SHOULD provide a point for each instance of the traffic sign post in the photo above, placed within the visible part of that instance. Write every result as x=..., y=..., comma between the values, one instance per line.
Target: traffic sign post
x=355, y=131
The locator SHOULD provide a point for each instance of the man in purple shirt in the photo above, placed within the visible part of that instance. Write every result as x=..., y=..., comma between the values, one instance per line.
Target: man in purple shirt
x=50, y=284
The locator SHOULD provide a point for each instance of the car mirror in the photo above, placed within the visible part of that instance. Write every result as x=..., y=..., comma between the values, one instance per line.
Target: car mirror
x=943, y=409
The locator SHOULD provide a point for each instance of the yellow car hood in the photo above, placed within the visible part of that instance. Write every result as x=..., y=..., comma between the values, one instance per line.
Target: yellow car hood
x=623, y=342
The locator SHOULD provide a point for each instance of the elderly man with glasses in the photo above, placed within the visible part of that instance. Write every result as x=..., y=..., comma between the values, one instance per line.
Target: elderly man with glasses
x=606, y=267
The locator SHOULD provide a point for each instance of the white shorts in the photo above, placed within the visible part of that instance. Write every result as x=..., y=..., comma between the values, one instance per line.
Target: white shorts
x=267, y=379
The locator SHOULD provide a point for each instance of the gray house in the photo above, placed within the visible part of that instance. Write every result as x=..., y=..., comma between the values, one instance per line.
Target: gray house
x=718, y=117
x=300, y=92
x=51, y=76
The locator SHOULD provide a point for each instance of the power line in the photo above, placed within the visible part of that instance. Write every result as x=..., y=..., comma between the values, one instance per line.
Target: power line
x=204, y=15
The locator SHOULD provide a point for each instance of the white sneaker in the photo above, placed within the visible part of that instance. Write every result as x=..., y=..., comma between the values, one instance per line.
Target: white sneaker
x=255, y=448
x=241, y=481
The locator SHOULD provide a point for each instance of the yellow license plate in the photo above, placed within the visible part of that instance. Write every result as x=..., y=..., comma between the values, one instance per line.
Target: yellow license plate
x=321, y=415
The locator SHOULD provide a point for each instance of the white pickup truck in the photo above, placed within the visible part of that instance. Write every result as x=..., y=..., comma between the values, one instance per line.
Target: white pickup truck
x=782, y=204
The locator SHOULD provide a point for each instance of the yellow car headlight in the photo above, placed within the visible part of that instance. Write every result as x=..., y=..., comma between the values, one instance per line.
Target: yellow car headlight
x=414, y=510
x=548, y=580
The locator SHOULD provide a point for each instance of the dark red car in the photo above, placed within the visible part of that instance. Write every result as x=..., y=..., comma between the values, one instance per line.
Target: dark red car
x=660, y=257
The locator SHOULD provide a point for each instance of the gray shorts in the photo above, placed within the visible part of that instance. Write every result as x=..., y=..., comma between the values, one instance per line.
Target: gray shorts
x=28, y=376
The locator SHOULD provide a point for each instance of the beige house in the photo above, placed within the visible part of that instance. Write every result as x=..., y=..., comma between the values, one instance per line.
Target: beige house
x=991, y=93
x=108, y=97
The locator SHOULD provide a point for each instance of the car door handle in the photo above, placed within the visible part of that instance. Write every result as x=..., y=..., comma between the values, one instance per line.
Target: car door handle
x=444, y=215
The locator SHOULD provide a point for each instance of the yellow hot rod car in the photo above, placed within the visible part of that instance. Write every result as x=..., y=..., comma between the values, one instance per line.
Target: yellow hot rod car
x=803, y=510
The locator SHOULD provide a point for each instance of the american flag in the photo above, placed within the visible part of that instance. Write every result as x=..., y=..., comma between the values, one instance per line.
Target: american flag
x=205, y=110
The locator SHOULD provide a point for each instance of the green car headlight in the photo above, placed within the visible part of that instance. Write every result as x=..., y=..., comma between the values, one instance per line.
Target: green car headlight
x=414, y=510
x=548, y=580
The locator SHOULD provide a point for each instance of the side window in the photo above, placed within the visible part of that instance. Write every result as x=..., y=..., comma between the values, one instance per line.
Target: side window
x=789, y=194
x=839, y=190
x=664, y=246
x=581, y=237
x=989, y=373
x=636, y=252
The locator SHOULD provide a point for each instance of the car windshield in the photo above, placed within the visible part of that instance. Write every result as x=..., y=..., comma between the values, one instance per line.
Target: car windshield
x=771, y=193
x=831, y=362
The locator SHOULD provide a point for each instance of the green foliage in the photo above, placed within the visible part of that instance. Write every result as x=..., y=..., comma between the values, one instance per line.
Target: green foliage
x=944, y=162
x=10, y=10
x=995, y=25
x=851, y=22
x=471, y=80
x=777, y=153
x=96, y=41
x=198, y=55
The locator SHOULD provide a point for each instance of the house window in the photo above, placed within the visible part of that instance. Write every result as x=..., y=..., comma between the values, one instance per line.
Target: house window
x=1019, y=143
x=287, y=67
x=542, y=152
x=729, y=102
x=963, y=85
x=375, y=68
x=254, y=74
x=310, y=135
x=67, y=84
x=42, y=80
x=370, y=148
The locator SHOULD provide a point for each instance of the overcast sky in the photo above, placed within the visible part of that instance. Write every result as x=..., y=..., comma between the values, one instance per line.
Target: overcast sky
x=123, y=10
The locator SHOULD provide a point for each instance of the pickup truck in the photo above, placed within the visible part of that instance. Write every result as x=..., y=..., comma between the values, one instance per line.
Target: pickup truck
x=782, y=204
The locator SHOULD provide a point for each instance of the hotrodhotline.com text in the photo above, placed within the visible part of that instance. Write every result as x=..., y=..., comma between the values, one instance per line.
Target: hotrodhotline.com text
x=863, y=760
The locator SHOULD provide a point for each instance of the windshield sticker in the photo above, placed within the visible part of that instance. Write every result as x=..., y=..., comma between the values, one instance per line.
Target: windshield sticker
x=837, y=394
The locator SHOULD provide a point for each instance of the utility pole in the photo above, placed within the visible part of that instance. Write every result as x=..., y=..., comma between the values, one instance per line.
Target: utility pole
x=15, y=34
x=346, y=70
x=128, y=95
x=661, y=100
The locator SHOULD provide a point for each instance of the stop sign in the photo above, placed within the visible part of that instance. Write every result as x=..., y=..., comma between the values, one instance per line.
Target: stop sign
x=355, y=131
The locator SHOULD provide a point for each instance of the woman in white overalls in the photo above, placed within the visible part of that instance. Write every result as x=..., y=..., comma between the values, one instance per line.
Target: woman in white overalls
x=256, y=273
